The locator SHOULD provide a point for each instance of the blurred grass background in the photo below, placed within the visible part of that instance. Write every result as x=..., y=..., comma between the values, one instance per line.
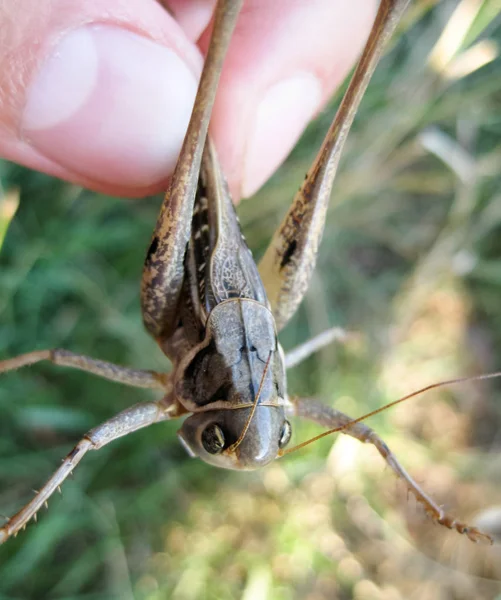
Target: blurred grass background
x=410, y=263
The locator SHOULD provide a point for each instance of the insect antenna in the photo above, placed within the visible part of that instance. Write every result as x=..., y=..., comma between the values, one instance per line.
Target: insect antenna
x=254, y=406
x=389, y=405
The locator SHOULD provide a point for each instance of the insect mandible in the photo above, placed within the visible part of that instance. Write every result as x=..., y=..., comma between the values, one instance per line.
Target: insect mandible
x=216, y=315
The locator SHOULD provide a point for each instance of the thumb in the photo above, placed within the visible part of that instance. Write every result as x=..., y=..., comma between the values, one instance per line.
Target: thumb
x=96, y=93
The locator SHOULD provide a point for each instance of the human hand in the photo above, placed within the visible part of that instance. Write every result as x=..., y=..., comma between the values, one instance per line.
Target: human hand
x=100, y=93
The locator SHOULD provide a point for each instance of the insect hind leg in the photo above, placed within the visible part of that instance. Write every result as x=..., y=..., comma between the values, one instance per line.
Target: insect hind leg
x=163, y=272
x=290, y=258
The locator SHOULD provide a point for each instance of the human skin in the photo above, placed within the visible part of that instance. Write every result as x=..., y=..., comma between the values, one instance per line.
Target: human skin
x=99, y=93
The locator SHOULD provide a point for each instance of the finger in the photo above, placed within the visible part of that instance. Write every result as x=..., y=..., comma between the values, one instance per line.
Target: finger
x=285, y=60
x=192, y=15
x=99, y=93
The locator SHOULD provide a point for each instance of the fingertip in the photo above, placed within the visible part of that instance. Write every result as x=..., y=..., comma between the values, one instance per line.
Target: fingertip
x=103, y=99
x=279, y=120
x=110, y=105
x=284, y=62
x=193, y=16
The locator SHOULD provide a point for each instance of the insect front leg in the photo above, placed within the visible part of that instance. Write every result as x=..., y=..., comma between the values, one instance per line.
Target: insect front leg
x=289, y=261
x=107, y=370
x=127, y=421
x=332, y=418
x=163, y=272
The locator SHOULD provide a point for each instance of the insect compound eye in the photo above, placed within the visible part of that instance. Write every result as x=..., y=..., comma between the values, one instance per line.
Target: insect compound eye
x=213, y=439
x=285, y=436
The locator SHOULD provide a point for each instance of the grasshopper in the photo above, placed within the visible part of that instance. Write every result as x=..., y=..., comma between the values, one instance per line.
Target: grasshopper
x=216, y=315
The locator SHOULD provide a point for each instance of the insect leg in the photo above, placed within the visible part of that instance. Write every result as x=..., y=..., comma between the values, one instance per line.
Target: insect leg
x=303, y=351
x=289, y=261
x=163, y=272
x=125, y=422
x=65, y=358
x=331, y=418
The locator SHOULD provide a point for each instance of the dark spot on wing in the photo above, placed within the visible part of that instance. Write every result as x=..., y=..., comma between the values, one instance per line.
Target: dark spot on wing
x=152, y=249
x=288, y=254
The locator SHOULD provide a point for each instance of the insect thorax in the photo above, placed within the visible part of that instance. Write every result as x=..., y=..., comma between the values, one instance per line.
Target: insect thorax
x=228, y=367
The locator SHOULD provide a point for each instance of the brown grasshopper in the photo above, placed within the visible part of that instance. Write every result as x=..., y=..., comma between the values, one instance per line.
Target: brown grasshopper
x=216, y=315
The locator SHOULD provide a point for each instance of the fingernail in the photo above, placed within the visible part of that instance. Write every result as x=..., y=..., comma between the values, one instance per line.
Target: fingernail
x=280, y=118
x=110, y=105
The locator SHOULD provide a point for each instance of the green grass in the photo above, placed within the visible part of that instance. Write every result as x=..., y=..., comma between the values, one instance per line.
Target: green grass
x=410, y=262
